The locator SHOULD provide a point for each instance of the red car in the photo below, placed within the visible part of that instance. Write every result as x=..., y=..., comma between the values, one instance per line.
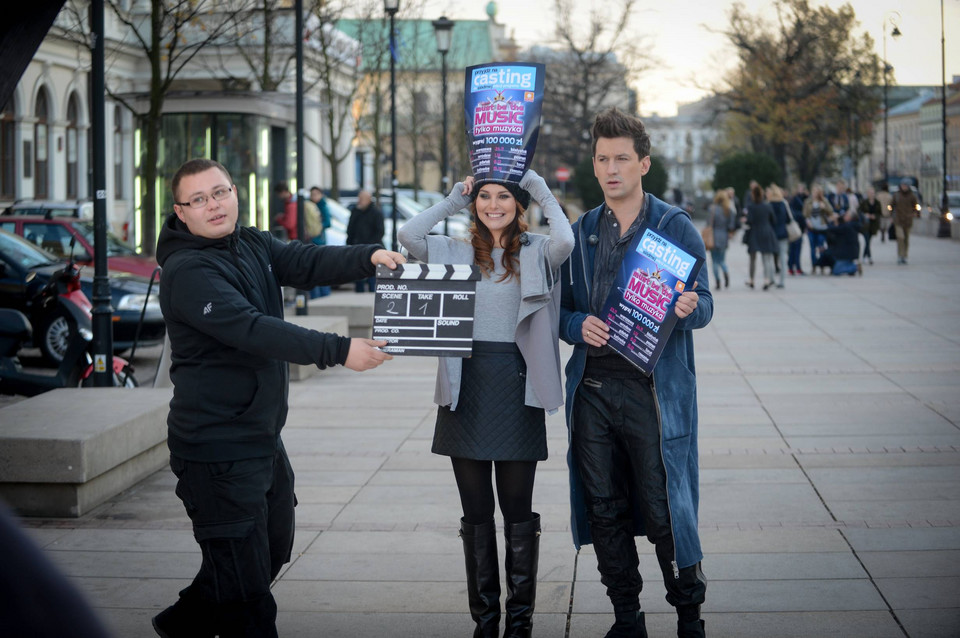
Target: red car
x=53, y=234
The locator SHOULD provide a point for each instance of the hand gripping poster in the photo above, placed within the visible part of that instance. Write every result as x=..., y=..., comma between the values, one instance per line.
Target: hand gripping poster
x=640, y=309
x=502, y=111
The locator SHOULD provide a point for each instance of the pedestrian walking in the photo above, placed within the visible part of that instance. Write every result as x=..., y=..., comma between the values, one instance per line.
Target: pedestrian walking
x=230, y=347
x=491, y=420
x=905, y=206
x=365, y=227
x=763, y=239
x=633, y=439
x=781, y=216
x=722, y=220
x=886, y=209
x=816, y=210
x=796, y=246
x=870, y=216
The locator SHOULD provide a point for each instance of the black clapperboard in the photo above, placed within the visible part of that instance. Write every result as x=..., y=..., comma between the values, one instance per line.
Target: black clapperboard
x=426, y=310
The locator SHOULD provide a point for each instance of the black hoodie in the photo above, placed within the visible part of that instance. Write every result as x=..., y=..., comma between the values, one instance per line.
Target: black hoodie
x=223, y=305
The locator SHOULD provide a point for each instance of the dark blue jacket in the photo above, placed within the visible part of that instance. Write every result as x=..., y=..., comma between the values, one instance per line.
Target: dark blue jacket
x=674, y=379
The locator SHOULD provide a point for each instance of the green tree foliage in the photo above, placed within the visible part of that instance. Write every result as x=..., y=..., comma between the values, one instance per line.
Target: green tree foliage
x=737, y=170
x=591, y=195
x=803, y=84
x=655, y=181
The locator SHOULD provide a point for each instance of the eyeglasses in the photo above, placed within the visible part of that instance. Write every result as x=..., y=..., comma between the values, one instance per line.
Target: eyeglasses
x=200, y=201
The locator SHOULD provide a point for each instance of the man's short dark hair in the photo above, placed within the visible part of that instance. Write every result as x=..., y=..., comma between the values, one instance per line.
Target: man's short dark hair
x=612, y=123
x=281, y=187
x=194, y=167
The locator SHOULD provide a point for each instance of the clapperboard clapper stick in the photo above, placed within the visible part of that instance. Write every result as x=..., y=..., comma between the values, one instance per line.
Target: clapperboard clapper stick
x=426, y=310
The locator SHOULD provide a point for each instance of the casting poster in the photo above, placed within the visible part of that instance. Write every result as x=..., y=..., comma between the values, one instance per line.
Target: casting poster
x=502, y=114
x=639, y=310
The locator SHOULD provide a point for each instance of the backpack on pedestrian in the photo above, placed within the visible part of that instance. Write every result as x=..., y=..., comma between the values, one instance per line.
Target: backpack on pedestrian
x=311, y=220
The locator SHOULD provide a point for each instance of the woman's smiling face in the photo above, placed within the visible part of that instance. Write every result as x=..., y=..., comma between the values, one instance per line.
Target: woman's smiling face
x=496, y=209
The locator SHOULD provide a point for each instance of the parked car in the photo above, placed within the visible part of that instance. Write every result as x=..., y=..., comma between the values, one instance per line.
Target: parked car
x=407, y=209
x=78, y=209
x=53, y=234
x=25, y=268
x=339, y=218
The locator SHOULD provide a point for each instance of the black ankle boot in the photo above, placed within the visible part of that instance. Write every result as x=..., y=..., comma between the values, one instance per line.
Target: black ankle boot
x=186, y=618
x=483, y=576
x=691, y=628
x=522, y=562
x=630, y=624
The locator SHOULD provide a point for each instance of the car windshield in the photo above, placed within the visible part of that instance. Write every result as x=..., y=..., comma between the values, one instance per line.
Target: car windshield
x=22, y=252
x=115, y=247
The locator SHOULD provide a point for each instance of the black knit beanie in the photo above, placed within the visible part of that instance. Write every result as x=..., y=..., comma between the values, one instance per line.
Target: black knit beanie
x=522, y=196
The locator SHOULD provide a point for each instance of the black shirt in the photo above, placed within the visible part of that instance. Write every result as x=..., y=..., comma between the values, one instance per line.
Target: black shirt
x=611, y=249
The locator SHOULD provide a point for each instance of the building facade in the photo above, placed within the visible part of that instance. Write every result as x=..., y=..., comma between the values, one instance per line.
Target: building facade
x=213, y=108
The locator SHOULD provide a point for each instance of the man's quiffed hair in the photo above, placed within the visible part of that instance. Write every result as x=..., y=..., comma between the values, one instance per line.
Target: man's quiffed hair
x=194, y=167
x=613, y=122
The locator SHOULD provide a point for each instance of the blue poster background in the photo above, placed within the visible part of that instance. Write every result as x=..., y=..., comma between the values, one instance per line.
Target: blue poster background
x=639, y=309
x=502, y=104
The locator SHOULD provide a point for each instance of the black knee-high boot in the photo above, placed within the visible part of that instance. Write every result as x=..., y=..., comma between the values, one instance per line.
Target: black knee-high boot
x=522, y=561
x=483, y=576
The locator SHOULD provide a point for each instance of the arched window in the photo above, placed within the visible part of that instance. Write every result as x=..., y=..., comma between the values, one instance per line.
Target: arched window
x=41, y=178
x=118, y=152
x=72, y=147
x=8, y=152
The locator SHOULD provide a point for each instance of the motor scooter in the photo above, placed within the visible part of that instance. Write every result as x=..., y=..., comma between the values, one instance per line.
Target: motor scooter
x=61, y=297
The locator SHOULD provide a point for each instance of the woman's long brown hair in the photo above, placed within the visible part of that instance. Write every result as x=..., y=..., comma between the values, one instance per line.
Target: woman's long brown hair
x=482, y=242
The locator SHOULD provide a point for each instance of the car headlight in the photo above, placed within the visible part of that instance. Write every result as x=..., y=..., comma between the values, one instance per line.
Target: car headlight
x=135, y=302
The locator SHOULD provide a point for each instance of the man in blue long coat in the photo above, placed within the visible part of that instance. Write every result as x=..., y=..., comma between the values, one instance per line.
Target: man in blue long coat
x=633, y=439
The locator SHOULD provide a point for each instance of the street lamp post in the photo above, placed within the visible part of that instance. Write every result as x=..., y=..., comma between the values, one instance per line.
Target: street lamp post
x=443, y=29
x=892, y=18
x=945, y=216
x=301, y=295
x=944, y=204
x=391, y=7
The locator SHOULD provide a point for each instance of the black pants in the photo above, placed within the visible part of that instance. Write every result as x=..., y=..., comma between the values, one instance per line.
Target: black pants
x=616, y=442
x=243, y=518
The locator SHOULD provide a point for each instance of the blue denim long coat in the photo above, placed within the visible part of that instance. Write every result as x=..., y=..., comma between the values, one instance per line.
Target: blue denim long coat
x=674, y=379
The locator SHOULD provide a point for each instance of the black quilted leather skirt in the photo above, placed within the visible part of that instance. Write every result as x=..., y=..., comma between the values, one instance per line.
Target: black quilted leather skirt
x=491, y=422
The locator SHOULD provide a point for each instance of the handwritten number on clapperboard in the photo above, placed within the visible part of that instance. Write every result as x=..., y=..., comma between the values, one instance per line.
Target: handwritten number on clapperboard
x=390, y=310
x=423, y=308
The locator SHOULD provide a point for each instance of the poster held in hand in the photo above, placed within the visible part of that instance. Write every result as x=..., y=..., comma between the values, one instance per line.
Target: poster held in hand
x=426, y=310
x=640, y=308
x=502, y=104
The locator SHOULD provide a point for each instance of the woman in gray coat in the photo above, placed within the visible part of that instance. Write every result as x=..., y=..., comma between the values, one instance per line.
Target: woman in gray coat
x=763, y=239
x=723, y=219
x=490, y=418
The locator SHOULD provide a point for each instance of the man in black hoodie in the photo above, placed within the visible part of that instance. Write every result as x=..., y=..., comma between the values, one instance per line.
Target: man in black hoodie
x=223, y=304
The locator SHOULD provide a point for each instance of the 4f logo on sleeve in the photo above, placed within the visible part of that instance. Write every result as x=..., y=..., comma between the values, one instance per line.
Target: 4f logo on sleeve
x=208, y=308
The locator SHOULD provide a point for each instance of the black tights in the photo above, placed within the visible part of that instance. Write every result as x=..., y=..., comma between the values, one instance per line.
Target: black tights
x=514, y=489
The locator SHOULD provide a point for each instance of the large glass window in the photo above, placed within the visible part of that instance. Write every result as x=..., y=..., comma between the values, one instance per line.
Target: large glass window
x=72, y=149
x=41, y=178
x=8, y=152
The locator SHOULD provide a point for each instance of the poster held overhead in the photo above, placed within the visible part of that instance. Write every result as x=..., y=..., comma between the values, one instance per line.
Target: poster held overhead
x=502, y=104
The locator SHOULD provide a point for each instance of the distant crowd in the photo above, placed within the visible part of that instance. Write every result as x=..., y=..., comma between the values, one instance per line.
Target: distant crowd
x=834, y=223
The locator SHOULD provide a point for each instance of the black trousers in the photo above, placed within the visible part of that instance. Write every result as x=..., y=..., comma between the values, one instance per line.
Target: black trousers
x=616, y=443
x=243, y=518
